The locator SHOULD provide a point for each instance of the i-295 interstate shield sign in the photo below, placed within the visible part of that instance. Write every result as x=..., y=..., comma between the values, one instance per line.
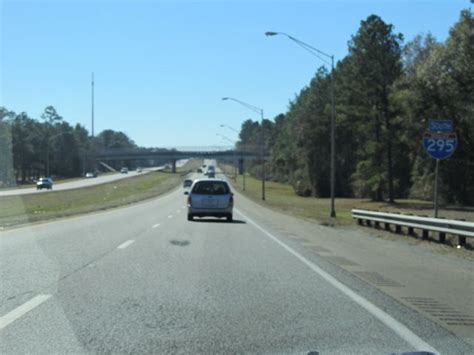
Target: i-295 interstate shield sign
x=440, y=145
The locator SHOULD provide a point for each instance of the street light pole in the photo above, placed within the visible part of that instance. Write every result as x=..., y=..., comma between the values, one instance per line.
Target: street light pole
x=241, y=163
x=262, y=154
x=333, y=143
x=229, y=127
x=320, y=54
x=233, y=154
x=262, y=136
x=47, y=159
x=92, y=105
x=236, y=162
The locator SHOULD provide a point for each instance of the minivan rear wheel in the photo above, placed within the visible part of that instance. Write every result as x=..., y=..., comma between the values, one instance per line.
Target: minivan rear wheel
x=229, y=218
x=190, y=217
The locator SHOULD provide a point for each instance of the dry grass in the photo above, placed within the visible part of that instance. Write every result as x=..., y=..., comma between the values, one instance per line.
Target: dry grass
x=283, y=198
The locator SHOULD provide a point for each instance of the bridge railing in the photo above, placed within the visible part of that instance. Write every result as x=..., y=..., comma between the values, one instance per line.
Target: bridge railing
x=176, y=154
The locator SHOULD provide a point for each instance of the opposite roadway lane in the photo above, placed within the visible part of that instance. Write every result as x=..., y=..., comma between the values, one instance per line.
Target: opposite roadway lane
x=142, y=279
x=76, y=184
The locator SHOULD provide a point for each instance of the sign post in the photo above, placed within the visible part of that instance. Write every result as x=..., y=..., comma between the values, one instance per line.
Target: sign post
x=436, y=190
x=440, y=142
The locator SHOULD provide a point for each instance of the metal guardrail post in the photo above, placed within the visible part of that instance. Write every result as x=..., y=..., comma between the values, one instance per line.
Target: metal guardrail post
x=425, y=234
x=442, y=237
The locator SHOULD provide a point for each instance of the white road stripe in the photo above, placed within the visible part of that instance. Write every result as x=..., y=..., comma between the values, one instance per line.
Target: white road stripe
x=399, y=328
x=22, y=310
x=155, y=225
x=170, y=216
x=126, y=244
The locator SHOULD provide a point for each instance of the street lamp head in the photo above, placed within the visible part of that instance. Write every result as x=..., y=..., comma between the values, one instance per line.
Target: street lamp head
x=225, y=98
x=270, y=33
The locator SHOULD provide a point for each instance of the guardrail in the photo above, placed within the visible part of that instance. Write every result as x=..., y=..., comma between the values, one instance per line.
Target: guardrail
x=442, y=226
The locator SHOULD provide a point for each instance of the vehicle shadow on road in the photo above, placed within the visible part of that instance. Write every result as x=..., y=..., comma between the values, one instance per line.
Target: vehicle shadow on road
x=205, y=220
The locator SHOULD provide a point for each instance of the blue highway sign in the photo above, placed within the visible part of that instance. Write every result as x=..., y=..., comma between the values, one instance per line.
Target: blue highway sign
x=441, y=126
x=440, y=145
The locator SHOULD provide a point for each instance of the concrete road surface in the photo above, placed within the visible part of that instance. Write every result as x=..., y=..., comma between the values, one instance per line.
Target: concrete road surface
x=142, y=279
x=85, y=182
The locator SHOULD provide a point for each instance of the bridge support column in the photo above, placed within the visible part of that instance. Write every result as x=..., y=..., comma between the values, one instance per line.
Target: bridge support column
x=241, y=166
x=173, y=166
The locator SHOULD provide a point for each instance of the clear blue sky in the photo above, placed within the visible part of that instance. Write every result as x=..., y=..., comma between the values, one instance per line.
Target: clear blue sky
x=162, y=67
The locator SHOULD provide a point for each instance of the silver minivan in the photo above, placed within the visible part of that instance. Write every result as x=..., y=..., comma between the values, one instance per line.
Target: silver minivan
x=210, y=198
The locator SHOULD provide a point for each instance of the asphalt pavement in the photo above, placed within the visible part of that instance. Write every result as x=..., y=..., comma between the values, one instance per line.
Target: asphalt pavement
x=85, y=182
x=143, y=279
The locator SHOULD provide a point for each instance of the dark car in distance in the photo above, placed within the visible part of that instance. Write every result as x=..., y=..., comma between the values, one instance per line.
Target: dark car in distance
x=44, y=183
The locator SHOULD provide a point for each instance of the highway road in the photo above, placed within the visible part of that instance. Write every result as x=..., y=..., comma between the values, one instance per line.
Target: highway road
x=143, y=279
x=85, y=182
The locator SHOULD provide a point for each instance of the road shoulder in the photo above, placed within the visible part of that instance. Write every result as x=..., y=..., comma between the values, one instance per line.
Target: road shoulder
x=438, y=286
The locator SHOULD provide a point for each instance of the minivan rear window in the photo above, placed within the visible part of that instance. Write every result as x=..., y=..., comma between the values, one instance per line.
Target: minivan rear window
x=211, y=188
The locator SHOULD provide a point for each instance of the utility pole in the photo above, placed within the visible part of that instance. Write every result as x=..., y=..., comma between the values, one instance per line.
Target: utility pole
x=92, y=113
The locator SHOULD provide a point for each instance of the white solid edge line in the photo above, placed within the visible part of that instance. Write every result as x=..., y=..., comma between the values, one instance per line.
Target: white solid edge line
x=125, y=244
x=155, y=225
x=20, y=311
x=400, y=329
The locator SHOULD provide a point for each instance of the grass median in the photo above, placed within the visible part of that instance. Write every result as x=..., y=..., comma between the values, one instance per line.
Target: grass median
x=282, y=197
x=21, y=209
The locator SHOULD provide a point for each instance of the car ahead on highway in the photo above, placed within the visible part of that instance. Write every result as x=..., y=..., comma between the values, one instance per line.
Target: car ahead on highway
x=44, y=183
x=139, y=170
x=91, y=175
x=124, y=170
x=210, y=198
x=187, y=183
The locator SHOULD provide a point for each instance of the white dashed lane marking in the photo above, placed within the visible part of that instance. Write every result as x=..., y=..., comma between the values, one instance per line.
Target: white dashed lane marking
x=155, y=225
x=126, y=244
x=22, y=310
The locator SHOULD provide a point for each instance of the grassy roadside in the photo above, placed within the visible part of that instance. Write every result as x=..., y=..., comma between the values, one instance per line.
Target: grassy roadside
x=29, y=208
x=281, y=197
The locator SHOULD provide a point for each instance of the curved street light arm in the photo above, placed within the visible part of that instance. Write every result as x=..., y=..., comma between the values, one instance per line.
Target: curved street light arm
x=313, y=50
x=245, y=104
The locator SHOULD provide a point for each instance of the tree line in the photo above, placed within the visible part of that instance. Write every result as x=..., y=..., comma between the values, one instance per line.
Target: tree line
x=385, y=93
x=28, y=146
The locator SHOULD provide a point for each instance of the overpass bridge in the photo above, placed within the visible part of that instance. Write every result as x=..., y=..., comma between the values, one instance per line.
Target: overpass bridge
x=173, y=155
